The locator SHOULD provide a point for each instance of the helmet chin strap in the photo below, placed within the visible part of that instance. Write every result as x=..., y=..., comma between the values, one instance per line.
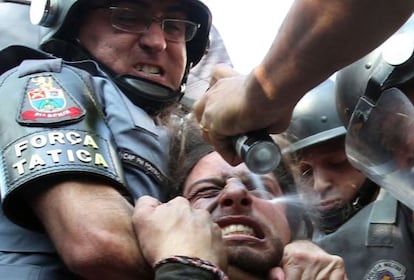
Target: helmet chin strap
x=150, y=96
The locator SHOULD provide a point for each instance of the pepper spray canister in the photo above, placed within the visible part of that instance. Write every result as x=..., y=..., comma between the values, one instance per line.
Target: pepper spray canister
x=258, y=151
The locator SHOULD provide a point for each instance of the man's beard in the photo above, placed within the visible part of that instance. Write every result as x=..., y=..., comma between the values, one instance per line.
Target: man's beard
x=256, y=261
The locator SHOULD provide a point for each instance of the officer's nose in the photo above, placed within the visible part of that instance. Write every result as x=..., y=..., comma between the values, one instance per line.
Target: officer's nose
x=235, y=195
x=322, y=180
x=153, y=38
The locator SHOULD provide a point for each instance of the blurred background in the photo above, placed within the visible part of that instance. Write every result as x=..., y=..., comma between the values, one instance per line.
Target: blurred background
x=247, y=27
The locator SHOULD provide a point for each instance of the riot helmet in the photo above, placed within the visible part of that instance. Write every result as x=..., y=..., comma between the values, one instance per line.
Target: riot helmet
x=314, y=121
x=60, y=20
x=372, y=102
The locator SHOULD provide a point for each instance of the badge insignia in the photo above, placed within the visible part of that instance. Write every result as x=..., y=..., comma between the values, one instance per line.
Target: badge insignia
x=47, y=102
x=386, y=270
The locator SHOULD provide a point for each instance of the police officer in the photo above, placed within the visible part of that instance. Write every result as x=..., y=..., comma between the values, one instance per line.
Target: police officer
x=375, y=102
x=331, y=187
x=81, y=132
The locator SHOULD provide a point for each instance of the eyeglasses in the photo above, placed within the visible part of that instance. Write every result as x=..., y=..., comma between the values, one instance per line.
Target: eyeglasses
x=130, y=20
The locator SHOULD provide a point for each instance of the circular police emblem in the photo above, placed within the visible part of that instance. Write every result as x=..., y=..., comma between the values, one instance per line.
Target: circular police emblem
x=386, y=270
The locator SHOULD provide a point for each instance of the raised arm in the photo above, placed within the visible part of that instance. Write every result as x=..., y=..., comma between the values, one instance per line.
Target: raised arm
x=316, y=39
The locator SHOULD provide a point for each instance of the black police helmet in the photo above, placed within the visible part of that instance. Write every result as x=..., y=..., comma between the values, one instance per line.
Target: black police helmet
x=389, y=65
x=61, y=17
x=314, y=119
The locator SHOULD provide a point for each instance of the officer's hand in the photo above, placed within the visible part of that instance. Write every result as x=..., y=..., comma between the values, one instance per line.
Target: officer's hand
x=305, y=260
x=277, y=273
x=175, y=228
x=217, y=109
x=236, y=104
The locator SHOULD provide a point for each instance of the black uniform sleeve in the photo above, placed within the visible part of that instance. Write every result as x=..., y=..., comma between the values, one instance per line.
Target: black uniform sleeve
x=179, y=271
x=52, y=127
x=184, y=267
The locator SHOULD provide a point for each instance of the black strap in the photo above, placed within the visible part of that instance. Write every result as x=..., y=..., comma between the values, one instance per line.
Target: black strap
x=382, y=221
x=12, y=56
x=24, y=2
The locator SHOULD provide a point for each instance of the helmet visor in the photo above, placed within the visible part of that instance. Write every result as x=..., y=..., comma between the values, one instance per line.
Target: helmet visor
x=380, y=143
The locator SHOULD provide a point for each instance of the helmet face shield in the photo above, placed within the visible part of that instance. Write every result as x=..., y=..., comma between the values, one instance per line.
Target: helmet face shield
x=380, y=142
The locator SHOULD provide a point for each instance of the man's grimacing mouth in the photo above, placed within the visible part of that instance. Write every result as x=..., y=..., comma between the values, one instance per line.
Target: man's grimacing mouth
x=240, y=226
x=237, y=229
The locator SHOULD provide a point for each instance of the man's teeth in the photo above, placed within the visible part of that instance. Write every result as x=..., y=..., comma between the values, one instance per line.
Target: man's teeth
x=150, y=69
x=237, y=229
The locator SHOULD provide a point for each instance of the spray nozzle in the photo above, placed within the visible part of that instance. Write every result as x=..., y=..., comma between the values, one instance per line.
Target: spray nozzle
x=258, y=151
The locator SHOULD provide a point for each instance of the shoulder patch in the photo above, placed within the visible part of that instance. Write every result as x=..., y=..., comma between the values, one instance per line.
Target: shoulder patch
x=45, y=101
x=386, y=270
